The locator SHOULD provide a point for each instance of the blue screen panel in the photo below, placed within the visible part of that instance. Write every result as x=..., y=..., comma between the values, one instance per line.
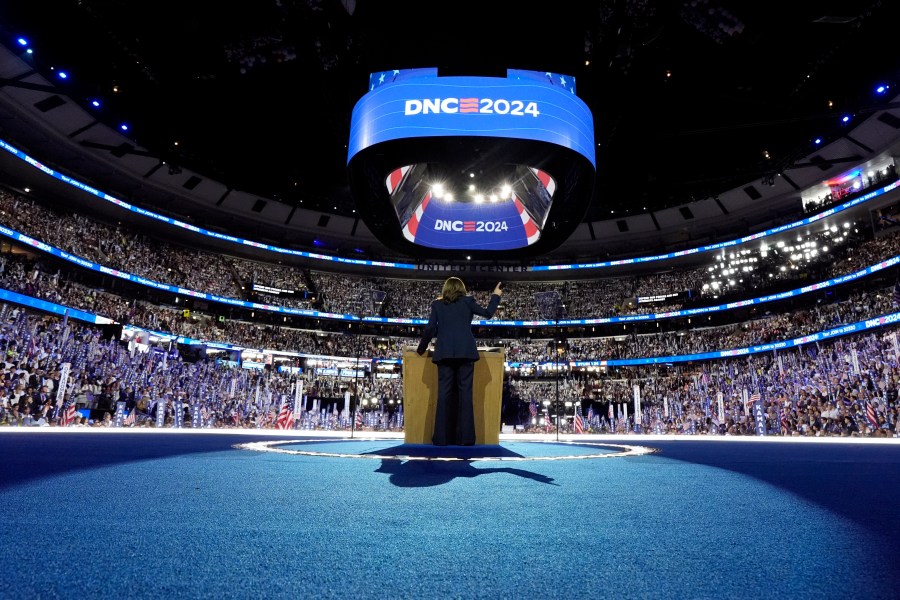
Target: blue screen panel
x=516, y=107
x=490, y=226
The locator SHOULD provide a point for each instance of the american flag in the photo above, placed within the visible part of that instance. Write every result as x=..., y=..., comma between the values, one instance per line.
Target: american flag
x=579, y=420
x=753, y=398
x=285, y=417
x=590, y=415
x=870, y=415
x=532, y=408
x=359, y=419
x=129, y=419
x=68, y=413
x=548, y=422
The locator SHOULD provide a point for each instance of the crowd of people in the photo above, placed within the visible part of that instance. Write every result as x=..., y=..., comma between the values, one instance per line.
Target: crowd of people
x=102, y=373
x=22, y=274
x=603, y=296
x=842, y=388
x=804, y=391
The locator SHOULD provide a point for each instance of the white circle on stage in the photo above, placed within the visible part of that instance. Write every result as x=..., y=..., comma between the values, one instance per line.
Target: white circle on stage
x=449, y=453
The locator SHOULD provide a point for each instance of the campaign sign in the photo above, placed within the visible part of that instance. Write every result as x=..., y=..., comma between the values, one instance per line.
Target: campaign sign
x=759, y=416
x=179, y=414
x=161, y=413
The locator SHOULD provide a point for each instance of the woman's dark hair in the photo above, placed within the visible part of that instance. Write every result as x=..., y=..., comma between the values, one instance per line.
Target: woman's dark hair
x=453, y=289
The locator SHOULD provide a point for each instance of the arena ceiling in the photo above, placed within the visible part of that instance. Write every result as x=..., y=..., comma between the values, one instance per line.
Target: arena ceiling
x=690, y=98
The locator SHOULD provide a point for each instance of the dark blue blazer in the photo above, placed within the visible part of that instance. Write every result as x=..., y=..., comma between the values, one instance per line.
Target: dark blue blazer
x=451, y=324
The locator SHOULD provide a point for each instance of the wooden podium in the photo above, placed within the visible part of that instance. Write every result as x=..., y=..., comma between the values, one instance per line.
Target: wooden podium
x=420, y=387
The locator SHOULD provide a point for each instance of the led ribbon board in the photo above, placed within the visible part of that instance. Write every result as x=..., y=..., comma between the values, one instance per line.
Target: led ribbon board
x=528, y=132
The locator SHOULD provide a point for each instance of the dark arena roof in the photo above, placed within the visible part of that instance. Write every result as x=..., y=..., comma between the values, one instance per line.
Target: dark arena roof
x=706, y=113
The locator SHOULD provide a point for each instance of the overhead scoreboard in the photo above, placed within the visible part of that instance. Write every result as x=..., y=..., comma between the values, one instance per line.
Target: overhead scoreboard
x=451, y=165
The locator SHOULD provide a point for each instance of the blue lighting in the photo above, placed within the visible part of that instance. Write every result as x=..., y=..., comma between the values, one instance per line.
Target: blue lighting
x=818, y=141
x=318, y=243
x=63, y=75
x=22, y=41
x=881, y=89
x=846, y=118
x=123, y=127
x=409, y=266
x=95, y=103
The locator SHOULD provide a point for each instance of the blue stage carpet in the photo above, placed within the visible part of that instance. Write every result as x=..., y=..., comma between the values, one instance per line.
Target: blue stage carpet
x=127, y=515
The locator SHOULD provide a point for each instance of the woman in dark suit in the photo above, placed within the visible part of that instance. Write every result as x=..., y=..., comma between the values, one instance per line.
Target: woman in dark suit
x=455, y=354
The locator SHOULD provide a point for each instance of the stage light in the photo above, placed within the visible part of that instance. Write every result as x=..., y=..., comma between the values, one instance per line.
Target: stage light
x=881, y=89
x=123, y=127
x=22, y=41
x=62, y=75
x=95, y=103
x=817, y=141
x=846, y=118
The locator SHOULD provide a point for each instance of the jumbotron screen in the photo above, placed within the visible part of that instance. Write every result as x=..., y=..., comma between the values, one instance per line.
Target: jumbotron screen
x=471, y=163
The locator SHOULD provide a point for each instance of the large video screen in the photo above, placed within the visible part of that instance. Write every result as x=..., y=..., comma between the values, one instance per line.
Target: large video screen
x=471, y=163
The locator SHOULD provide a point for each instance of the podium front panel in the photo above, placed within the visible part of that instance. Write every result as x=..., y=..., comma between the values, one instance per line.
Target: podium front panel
x=420, y=386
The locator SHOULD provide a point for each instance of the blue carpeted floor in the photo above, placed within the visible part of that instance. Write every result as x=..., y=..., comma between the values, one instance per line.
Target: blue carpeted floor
x=190, y=516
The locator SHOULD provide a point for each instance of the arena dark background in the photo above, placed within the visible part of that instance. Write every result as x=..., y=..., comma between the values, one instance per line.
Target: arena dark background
x=689, y=98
